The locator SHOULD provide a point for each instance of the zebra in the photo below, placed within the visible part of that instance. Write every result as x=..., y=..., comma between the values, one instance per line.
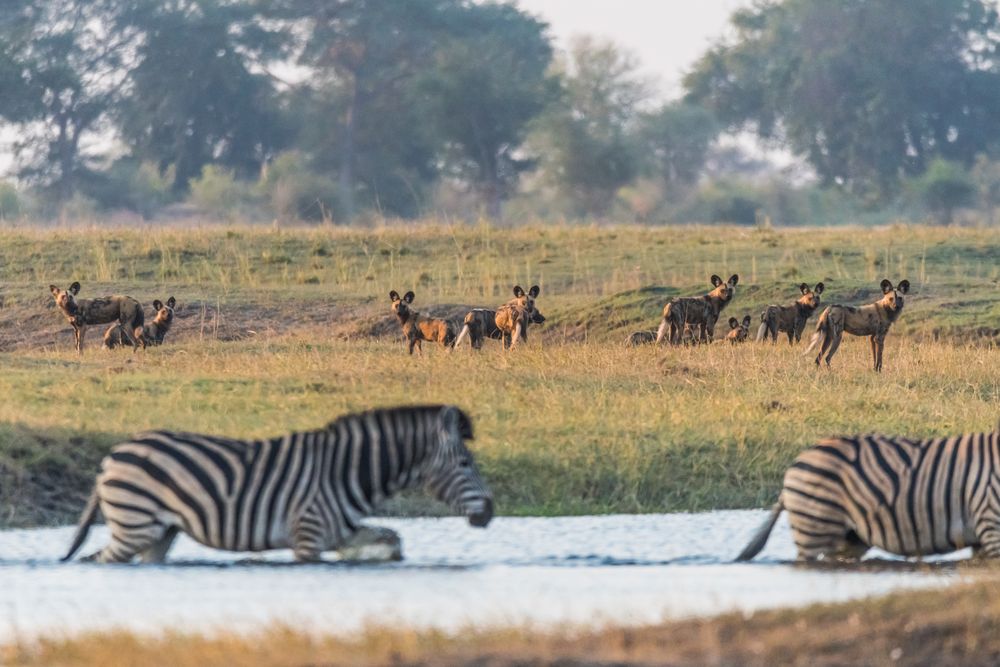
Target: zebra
x=307, y=490
x=907, y=497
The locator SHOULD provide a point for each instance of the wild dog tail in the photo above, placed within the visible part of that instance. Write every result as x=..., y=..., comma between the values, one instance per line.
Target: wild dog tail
x=761, y=330
x=760, y=537
x=462, y=335
x=665, y=324
x=83, y=527
x=821, y=331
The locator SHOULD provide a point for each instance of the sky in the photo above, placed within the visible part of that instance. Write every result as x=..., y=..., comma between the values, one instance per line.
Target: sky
x=667, y=36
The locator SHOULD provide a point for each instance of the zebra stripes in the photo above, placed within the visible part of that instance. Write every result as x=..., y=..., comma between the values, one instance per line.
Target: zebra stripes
x=308, y=490
x=907, y=497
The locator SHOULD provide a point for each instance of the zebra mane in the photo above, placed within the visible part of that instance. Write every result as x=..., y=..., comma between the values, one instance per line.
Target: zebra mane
x=464, y=422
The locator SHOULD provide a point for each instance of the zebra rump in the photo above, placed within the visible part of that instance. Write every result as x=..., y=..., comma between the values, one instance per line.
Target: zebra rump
x=307, y=490
x=912, y=498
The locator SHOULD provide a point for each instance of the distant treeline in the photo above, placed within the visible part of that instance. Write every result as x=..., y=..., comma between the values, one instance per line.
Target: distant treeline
x=331, y=109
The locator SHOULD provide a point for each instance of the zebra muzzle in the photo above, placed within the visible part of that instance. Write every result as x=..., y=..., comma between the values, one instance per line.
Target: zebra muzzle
x=482, y=518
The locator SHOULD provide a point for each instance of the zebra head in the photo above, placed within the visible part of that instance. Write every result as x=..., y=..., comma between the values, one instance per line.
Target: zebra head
x=451, y=474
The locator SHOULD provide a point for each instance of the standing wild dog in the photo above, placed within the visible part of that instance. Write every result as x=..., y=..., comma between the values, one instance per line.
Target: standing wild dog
x=790, y=319
x=873, y=319
x=480, y=324
x=697, y=311
x=512, y=318
x=153, y=333
x=417, y=328
x=80, y=313
x=738, y=331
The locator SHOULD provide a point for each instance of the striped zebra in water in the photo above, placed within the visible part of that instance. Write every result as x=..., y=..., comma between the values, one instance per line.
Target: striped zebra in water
x=308, y=491
x=912, y=498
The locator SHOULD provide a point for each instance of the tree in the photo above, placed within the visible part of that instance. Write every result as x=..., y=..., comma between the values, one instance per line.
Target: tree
x=69, y=70
x=365, y=55
x=194, y=99
x=677, y=139
x=586, y=137
x=485, y=84
x=868, y=90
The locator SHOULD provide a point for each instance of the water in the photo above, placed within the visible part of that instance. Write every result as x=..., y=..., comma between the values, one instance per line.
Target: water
x=625, y=569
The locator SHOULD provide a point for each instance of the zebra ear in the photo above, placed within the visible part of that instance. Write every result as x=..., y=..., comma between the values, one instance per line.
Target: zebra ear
x=456, y=418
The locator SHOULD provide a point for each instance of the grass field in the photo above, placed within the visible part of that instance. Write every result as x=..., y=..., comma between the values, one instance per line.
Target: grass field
x=282, y=329
x=956, y=626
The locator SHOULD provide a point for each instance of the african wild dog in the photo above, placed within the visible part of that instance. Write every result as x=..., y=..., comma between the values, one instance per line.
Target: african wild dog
x=873, y=320
x=83, y=312
x=738, y=331
x=153, y=333
x=697, y=311
x=790, y=319
x=480, y=324
x=637, y=338
x=417, y=328
x=512, y=318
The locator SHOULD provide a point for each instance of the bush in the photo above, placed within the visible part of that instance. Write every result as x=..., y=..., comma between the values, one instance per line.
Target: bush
x=130, y=184
x=218, y=191
x=944, y=187
x=10, y=202
x=295, y=192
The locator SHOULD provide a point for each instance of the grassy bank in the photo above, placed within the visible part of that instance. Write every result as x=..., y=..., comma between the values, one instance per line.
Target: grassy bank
x=958, y=626
x=285, y=329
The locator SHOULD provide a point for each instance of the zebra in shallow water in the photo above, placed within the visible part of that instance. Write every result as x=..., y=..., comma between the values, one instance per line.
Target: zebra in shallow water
x=913, y=498
x=308, y=491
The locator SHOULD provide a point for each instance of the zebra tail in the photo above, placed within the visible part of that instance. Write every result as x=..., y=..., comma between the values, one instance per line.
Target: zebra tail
x=760, y=538
x=86, y=519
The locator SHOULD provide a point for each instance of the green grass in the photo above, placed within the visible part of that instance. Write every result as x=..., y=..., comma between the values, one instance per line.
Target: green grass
x=285, y=329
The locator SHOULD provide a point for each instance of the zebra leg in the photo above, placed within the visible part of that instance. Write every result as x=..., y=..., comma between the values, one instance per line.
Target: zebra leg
x=129, y=540
x=158, y=551
x=308, y=539
x=988, y=532
x=372, y=543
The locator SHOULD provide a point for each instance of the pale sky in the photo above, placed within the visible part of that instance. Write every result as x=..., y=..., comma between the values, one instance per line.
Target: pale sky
x=666, y=35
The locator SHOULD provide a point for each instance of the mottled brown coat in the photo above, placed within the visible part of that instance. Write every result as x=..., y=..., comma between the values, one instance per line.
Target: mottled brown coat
x=513, y=318
x=154, y=333
x=417, y=328
x=480, y=324
x=790, y=319
x=738, y=331
x=701, y=312
x=81, y=313
x=873, y=320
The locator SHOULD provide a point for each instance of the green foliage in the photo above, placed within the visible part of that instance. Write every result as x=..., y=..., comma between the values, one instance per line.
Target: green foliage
x=866, y=91
x=676, y=139
x=219, y=192
x=129, y=184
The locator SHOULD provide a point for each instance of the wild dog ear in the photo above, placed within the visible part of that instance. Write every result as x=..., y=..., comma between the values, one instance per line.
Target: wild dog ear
x=733, y=279
x=903, y=286
x=54, y=290
x=886, y=286
x=454, y=418
x=734, y=323
x=171, y=302
x=157, y=305
x=75, y=288
x=716, y=280
x=518, y=291
x=746, y=322
x=408, y=297
x=533, y=292
x=394, y=296
x=804, y=288
x=819, y=289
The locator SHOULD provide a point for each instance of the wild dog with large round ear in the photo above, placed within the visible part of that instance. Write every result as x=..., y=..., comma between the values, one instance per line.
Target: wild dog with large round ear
x=701, y=312
x=101, y=310
x=790, y=318
x=417, y=328
x=873, y=320
x=512, y=318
